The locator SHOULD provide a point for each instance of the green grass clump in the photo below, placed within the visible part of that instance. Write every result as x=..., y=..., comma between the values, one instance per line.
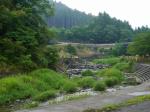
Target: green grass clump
x=12, y=88
x=112, y=81
x=99, y=86
x=86, y=82
x=122, y=66
x=111, y=72
x=111, y=76
x=45, y=95
x=111, y=60
x=25, y=86
x=69, y=87
x=87, y=73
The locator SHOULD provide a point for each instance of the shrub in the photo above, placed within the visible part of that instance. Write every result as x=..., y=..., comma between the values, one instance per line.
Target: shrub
x=122, y=66
x=99, y=86
x=111, y=60
x=12, y=88
x=86, y=82
x=50, y=77
x=111, y=72
x=87, y=73
x=69, y=87
x=25, y=86
x=110, y=82
x=45, y=95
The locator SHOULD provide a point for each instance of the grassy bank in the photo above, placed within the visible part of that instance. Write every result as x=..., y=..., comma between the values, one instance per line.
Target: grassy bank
x=44, y=84
x=113, y=107
x=119, y=63
x=38, y=85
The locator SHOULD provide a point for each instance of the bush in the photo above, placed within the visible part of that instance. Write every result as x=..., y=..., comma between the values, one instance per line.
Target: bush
x=45, y=95
x=69, y=87
x=50, y=77
x=110, y=82
x=111, y=72
x=99, y=86
x=25, y=86
x=86, y=82
x=87, y=73
x=12, y=88
x=122, y=66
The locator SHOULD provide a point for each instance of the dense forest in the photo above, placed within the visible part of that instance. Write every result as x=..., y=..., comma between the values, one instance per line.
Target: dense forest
x=66, y=17
x=103, y=29
x=24, y=35
x=75, y=26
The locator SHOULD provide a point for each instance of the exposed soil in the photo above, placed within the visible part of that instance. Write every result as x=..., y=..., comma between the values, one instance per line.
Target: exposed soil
x=98, y=101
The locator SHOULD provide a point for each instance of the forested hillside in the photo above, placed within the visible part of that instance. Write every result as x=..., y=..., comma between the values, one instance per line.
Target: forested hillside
x=102, y=29
x=66, y=17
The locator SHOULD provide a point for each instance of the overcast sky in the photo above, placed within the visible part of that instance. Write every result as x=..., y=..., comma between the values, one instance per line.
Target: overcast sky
x=137, y=12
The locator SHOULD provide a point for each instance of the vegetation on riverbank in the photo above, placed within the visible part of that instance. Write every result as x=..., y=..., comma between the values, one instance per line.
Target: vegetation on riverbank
x=38, y=85
x=113, y=107
x=43, y=84
x=119, y=63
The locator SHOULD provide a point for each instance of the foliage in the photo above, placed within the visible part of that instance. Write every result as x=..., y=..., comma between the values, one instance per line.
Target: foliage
x=87, y=73
x=103, y=29
x=111, y=60
x=121, y=66
x=45, y=95
x=140, y=45
x=69, y=87
x=112, y=81
x=28, y=85
x=99, y=86
x=23, y=33
x=86, y=82
x=70, y=49
x=66, y=17
x=119, y=49
x=111, y=72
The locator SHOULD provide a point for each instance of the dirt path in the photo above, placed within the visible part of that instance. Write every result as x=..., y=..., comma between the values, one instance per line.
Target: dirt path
x=97, y=101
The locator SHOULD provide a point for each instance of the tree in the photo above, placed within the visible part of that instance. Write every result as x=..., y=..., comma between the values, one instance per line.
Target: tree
x=66, y=17
x=70, y=49
x=103, y=29
x=23, y=32
x=140, y=45
x=119, y=49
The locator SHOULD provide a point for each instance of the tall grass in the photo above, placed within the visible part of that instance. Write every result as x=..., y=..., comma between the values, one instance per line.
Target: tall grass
x=86, y=82
x=25, y=86
x=110, y=72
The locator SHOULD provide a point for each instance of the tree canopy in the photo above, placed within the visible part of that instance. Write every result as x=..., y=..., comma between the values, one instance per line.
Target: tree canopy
x=66, y=17
x=140, y=45
x=23, y=33
x=104, y=29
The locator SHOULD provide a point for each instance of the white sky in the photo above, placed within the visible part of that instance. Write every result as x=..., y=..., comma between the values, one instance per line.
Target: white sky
x=137, y=12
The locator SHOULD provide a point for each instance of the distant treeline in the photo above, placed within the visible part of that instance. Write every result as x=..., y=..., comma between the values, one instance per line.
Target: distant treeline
x=66, y=17
x=75, y=26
